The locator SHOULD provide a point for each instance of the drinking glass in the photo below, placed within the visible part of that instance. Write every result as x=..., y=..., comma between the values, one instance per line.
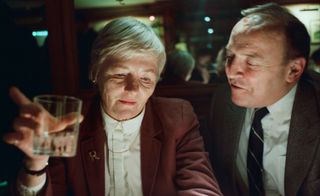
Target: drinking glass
x=61, y=109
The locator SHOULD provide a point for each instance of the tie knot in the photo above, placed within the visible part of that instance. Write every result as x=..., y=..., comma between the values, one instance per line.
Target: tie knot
x=260, y=113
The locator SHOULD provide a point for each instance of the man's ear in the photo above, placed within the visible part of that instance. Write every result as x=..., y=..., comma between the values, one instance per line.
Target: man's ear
x=296, y=68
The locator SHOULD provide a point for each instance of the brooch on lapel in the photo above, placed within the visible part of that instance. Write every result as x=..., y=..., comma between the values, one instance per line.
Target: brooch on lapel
x=93, y=155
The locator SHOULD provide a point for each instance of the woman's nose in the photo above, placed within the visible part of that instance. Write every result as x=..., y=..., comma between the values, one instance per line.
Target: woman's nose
x=132, y=83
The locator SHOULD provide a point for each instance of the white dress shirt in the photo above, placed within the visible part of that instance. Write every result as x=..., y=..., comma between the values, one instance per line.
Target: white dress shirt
x=123, y=173
x=275, y=130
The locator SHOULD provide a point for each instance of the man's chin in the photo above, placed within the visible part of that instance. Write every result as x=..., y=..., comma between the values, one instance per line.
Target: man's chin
x=241, y=102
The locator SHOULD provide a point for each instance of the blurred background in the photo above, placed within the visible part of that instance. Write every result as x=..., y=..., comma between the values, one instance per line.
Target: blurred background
x=65, y=29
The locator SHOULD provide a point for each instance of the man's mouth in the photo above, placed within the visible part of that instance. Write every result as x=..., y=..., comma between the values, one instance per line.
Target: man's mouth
x=236, y=86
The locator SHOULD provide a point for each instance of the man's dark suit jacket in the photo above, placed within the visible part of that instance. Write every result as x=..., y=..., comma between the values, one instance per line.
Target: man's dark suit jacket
x=173, y=161
x=302, y=169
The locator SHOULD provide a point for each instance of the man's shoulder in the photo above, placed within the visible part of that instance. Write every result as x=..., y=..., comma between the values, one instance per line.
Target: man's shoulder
x=312, y=78
x=308, y=93
x=313, y=75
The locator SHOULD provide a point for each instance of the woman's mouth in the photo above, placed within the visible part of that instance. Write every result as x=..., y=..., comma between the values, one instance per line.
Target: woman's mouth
x=127, y=101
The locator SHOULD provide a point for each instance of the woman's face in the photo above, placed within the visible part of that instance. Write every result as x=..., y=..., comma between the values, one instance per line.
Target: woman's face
x=126, y=85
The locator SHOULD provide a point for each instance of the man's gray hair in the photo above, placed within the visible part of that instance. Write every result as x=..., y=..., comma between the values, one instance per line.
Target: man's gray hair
x=124, y=38
x=271, y=16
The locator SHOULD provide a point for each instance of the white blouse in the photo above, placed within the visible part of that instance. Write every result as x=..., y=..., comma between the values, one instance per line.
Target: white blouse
x=123, y=176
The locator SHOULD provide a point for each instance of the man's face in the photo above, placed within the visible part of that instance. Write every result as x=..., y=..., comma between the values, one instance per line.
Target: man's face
x=255, y=66
x=126, y=85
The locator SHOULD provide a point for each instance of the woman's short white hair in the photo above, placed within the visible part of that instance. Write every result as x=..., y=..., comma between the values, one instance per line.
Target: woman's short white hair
x=124, y=38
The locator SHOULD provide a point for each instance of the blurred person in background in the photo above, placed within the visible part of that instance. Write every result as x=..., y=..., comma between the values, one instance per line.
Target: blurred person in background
x=178, y=68
x=315, y=61
x=220, y=65
x=204, y=71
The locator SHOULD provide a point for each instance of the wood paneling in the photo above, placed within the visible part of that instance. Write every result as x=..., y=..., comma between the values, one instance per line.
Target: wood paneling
x=62, y=52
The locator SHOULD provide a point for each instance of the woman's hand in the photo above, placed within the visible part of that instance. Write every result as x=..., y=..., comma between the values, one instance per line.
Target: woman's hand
x=31, y=119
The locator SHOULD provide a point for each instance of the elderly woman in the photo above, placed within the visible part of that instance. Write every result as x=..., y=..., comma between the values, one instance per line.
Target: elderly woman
x=130, y=143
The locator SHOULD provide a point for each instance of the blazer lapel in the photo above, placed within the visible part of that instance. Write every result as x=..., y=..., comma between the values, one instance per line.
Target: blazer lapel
x=92, y=150
x=303, y=138
x=150, y=150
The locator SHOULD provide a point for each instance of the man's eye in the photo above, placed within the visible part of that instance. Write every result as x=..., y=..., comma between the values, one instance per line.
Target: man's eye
x=253, y=66
x=228, y=59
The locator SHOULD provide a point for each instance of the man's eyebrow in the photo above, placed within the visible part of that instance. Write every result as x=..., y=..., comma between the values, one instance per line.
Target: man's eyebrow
x=251, y=53
x=254, y=55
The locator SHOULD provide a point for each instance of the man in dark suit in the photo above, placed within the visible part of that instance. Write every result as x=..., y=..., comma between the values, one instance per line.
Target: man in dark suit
x=265, y=135
x=130, y=143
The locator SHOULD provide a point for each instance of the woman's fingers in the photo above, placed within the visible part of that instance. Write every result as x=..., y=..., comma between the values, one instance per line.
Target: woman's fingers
x=27, y=108
x=31, y=110
x=26, y=125
x=61, y=123
x=20, y=139
x=13, y=138
x=18, y=97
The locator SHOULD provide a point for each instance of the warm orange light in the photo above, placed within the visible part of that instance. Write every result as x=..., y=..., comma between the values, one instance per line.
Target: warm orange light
x=152, y=18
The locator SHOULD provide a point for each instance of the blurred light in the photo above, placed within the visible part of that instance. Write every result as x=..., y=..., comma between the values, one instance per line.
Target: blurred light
x=3, y=183
x=40, y=33
x=210, y=31
x=152, y=18
x=207, y=19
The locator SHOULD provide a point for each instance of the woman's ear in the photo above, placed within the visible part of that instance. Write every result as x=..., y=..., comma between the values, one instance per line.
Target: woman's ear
x=296, y=68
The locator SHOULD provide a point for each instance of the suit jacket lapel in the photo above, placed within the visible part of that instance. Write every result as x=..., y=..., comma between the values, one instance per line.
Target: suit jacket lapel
x=92, y=144
x=150, y=150
x=227, y=136
x=303, y=138
x=233, y=123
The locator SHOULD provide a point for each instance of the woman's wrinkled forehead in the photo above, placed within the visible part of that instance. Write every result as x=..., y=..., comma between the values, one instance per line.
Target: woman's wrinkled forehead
x=118, y=61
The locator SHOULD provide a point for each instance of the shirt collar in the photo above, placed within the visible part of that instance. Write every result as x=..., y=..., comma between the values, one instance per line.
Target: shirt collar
x=283, y=107
x=127, y=126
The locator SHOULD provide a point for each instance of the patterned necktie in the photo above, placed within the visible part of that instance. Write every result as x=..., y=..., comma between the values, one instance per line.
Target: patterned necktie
x=255, y=154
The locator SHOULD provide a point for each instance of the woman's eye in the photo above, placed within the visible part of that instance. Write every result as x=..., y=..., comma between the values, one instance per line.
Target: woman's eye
x=145, y=79
x=120, y=76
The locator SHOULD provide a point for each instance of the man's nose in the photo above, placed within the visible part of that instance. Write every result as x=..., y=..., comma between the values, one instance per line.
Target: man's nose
x=234, y=68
